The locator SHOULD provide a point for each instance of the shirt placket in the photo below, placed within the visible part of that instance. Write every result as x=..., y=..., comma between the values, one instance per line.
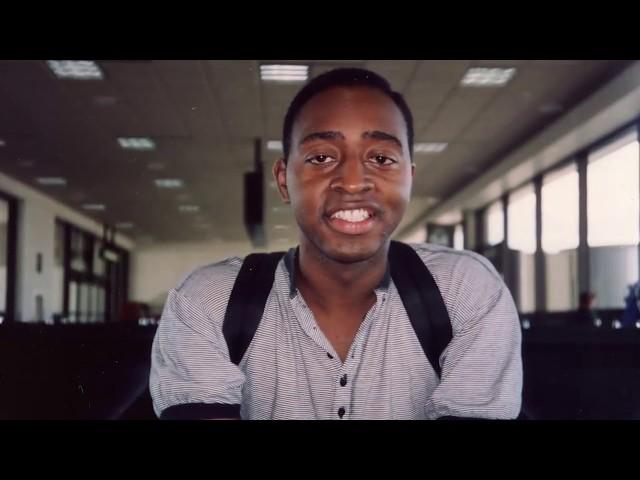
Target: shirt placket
x=343, y=398
x=346, y=371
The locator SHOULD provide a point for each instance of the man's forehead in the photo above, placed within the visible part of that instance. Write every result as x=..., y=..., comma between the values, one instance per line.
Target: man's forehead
x=356, y=109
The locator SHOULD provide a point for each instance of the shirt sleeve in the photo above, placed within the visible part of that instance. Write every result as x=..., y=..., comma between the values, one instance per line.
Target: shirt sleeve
x=191, y=374
x=482, y=365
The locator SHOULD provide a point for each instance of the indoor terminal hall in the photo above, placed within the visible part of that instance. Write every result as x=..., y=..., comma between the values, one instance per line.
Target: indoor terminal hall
x=120, y=178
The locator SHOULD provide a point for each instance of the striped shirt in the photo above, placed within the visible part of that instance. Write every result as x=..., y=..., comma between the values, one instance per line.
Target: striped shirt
x=291, y=371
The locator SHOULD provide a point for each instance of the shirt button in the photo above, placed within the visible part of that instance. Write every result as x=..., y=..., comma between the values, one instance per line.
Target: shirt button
x=343, y=380
x=341, y=412
x=330, y=356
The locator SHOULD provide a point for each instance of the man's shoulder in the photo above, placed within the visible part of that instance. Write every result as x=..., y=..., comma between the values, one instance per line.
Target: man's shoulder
x=438, y=258
x=467, y=281
x=214, y=279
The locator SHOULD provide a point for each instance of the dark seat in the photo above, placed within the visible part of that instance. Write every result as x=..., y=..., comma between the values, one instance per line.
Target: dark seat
x=72, y=372
x=579, y=374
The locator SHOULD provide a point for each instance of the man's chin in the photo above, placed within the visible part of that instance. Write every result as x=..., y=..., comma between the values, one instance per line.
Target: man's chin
x=353, y=250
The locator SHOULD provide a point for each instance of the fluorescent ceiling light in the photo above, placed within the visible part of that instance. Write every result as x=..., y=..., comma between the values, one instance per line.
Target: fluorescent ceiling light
x=94, y=206
x=3, y=143
x=105, y=100
x=51, y=181
x=284, y=73
x=429, y=147
x=281, y=208
x=136, y=143
x=79, y=70
x=169, y=183
x=487, y=77
x=155, y=166
x=275, y=145
x=550, y=108
x=189, y=208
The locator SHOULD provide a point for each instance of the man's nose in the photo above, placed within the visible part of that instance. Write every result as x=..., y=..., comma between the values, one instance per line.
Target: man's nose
x=351, y=177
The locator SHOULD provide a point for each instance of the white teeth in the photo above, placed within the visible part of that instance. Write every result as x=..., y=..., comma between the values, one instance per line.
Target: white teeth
x=352, y=215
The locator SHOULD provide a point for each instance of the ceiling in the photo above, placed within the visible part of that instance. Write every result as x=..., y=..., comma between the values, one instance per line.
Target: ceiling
x=205, y=115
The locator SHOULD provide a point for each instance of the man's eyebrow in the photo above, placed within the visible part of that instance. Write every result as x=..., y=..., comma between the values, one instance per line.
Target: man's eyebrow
x=378, y=135
x=327, y=135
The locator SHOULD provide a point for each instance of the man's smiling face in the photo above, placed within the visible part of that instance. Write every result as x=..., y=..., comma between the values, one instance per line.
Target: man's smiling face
x=349, y=172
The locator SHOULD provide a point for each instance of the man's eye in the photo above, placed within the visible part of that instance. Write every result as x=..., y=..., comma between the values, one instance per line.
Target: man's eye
x=383, y=160
x=320, y=159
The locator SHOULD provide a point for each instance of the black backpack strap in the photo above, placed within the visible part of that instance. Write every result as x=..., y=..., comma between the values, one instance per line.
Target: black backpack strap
x=417, y=288
x=422, y=301
x=247, y=301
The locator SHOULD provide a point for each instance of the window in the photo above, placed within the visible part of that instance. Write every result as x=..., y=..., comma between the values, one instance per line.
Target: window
x=96, y=272
x=7, y=256
x=458, y=237
x=4, y=227
x=79, y=242
x=440, y=234
x=418, y=236
x=494, y=224
x=58, y=274
x=4, y=281
x=613, y=219
x=521, y=214
x=560, y=238
x=521, y=240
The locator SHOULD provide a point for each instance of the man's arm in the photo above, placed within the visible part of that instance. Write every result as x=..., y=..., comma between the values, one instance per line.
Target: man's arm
x=482, y=365
x=191, y=374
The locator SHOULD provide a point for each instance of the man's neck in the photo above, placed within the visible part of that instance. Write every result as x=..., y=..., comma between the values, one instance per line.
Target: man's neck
x=332, y=285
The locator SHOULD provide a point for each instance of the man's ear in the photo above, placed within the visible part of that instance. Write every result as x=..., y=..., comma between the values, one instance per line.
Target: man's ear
x=280, y=176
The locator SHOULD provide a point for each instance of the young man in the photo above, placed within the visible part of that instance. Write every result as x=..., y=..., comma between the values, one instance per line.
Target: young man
x=334, y=340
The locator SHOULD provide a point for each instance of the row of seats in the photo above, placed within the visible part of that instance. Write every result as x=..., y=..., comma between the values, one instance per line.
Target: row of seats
x=101, y=372
x=72, y=371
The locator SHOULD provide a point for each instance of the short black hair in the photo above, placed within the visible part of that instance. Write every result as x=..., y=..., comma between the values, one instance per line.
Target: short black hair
x=343, y=77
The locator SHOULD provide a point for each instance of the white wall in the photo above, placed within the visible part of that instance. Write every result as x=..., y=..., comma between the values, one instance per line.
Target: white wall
x=154, y=270
x=36, y=234
x=36, y=229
